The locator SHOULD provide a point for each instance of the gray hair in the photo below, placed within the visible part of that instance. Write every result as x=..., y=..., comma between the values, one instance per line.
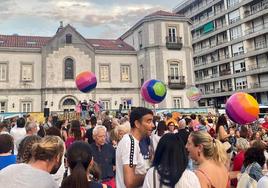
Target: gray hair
x=97, y=128
x=242, y=143
x=30, y=125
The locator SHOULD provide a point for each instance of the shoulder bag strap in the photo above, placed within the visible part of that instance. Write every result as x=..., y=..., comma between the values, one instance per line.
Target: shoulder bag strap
x=131, y=151
x=154, y=178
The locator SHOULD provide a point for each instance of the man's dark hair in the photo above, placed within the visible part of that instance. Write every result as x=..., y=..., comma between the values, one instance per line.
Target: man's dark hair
x=193, y=116
x=137, y=114
x=53, y=131
x=21, y=122
x=210, y=120
x=6, y=143
x=254, y=155
x=93, y=120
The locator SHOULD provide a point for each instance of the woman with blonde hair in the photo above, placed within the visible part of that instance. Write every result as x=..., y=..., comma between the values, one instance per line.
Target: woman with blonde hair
x=211, y=157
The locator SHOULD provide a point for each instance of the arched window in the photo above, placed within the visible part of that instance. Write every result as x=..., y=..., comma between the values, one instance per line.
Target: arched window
x=68, y=102
x=69, y=69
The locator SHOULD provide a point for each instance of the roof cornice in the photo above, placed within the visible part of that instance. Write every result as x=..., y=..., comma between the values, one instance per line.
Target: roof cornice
x=182, y=5
x=18, y=49
x=115, y=52
x=155, y=18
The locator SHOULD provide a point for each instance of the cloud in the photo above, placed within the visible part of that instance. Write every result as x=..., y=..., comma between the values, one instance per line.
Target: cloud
x=112, y=15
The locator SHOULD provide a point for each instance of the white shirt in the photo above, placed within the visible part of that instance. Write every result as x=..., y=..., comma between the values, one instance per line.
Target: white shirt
x=154, y=140
x=26, y=176
x=263, y=182
x=18, y=134
x=123, y=158
x=187, y=180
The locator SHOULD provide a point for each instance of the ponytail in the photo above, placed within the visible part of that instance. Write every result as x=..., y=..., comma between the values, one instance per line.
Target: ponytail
x=219, y=154
x=212, y=148
x=77, y=179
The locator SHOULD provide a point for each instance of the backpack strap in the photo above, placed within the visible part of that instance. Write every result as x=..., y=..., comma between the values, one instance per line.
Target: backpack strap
x=131, y=155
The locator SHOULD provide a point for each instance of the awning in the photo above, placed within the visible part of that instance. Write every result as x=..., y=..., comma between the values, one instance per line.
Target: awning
x=208, y=27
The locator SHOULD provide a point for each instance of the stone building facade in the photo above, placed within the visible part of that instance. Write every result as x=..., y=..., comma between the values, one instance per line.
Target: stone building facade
x=38, y=72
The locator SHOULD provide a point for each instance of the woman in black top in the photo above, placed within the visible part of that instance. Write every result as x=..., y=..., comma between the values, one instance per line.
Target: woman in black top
x=79, y=159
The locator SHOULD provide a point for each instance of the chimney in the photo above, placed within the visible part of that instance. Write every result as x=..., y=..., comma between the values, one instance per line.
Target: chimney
x=61, y=26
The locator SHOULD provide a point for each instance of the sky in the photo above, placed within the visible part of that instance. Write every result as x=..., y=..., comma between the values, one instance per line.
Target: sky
x=106, y=19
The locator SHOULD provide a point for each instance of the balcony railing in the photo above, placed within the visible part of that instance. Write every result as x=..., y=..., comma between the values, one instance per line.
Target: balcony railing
x=248, y=13
x=176, y=82
x=256, y=29
x=255, y=85
x=173, y=42
x=212, y=60
x=225, y=72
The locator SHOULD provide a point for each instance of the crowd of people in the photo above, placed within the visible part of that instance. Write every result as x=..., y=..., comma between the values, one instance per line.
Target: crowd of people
x=138, y=149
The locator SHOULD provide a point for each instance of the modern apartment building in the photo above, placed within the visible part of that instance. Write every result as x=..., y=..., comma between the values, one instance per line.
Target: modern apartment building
x=229, y=39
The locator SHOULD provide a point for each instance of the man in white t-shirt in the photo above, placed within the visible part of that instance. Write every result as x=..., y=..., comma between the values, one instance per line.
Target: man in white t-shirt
x=130, y=164
x=18, y=132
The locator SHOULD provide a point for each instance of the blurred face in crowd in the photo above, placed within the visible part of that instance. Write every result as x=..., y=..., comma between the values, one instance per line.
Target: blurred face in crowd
x=121, y=134
x=146, y=125
x=171, y=127
x=100, y=137
x=257, y=136
x=192, y=149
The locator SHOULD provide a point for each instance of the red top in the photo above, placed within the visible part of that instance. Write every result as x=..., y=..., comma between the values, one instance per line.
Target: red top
x=265, y=125
x=238, y=163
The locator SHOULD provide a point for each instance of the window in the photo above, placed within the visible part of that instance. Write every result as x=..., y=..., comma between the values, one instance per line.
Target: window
x=174, y=71
x=177, y=102
x=238, y=49
x=234, y=16
x=106, y=104
x=3, y=106
x=68, y=39
x=172, y=36
x=27, y=72
x=3, y=72
x=231, y=3
x=140, y=39
x=241, y=83
x=69, y=69
x=235, y=32
x=125, y=73
x=257, y=24
x=127, y=103
x=260, y=42
x=239, y=66
x=214, y=71
x=26, y=106
x=261, y=60
x=104, y=73
x=256, y=8
x=205, y=72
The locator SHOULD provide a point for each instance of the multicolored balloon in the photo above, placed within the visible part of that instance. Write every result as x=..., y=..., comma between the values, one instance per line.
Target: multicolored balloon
x=86, y=81
x=153, y=91
x=193, y=94
x=242, y=108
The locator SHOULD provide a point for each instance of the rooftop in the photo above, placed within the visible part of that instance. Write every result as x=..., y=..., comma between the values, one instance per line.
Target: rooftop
x=17, y=41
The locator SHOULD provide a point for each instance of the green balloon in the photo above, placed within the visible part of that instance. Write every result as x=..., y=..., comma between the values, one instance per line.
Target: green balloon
x=159, y=89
